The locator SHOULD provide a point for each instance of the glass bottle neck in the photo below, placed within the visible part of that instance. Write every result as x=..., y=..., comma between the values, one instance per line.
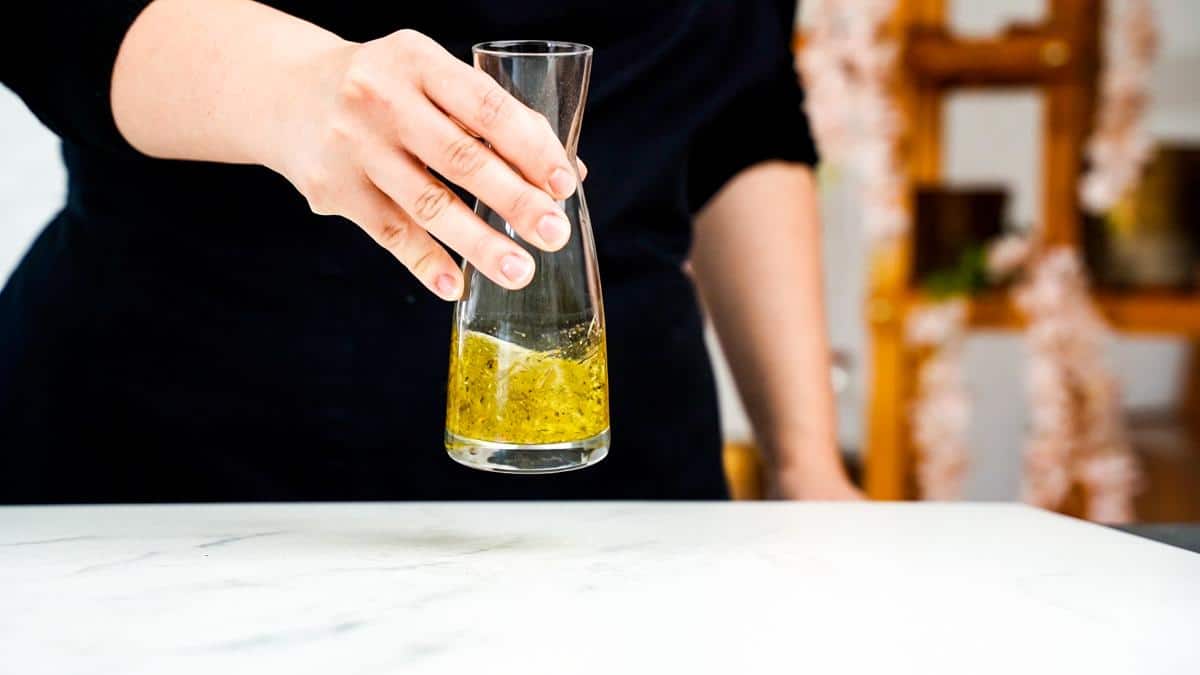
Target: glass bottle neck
x=549, y=77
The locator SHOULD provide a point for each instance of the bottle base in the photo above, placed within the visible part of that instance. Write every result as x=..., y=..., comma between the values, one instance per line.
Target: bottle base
x=521, y=458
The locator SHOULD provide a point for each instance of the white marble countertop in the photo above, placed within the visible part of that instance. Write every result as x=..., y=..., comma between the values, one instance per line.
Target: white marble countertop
x=588, y=588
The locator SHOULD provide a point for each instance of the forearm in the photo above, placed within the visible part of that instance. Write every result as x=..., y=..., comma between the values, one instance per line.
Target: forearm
x=214, y=79
x=757, y=263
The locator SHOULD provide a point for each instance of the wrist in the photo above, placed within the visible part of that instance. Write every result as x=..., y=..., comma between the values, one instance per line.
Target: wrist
x=804, y=454
x=298, y=97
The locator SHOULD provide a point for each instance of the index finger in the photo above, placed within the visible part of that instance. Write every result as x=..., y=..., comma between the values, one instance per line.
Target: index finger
x=521, y=136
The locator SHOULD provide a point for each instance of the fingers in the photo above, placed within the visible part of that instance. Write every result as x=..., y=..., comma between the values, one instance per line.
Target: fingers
x=466, y=161
x=432, y=206
x=519, y=135
x=395, y=231
x=403, y=103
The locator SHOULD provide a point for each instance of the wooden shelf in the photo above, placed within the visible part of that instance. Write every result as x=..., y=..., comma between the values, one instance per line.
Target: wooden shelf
x=1060, y=56
x=1138, y=312
x=1017, y=58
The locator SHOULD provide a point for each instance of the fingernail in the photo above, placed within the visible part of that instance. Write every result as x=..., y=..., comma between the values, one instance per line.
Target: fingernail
x=446, y=287
x=553, y=229
x=562, y=182
x=517, y=268
x=583, y=170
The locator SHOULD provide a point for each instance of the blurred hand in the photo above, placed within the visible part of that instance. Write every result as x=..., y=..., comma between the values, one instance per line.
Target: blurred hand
x=812, y=486
x=382, y=114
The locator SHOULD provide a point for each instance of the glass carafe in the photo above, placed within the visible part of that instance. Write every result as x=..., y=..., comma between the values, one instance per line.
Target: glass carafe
x=528, y=385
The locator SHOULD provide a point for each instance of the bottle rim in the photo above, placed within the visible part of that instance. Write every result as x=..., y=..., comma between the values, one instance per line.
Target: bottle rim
x=541, y=48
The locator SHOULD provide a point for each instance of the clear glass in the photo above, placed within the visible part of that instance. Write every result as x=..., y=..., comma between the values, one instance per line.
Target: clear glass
x=528, y=386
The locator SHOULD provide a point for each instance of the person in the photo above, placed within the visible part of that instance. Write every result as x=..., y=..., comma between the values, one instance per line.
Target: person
x=244, y=297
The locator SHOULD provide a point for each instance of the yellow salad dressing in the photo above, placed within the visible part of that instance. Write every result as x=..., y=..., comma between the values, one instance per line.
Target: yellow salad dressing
x=501, y=392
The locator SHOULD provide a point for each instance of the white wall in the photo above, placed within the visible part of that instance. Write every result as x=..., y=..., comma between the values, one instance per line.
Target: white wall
x=32, y=180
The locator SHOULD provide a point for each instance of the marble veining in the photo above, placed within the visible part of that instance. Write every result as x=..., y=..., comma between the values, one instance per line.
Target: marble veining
x=241, y=537
x=37, y=542
x=117, y=563
x=284, y=637
x=588, y=588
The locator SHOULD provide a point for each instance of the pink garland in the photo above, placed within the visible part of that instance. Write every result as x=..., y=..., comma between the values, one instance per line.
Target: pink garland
x=1077, y=434
x=941, y=414
x=1120, y=145
x=847, y=64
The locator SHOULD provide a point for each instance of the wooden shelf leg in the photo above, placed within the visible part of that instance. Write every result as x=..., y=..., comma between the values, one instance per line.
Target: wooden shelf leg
x=889, y=459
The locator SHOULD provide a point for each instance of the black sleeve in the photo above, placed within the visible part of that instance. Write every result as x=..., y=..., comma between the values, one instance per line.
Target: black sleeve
x=764, y=121
x=58, y=57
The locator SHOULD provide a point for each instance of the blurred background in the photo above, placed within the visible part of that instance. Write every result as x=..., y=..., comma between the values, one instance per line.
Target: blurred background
x=992, y=175
x=986, y=67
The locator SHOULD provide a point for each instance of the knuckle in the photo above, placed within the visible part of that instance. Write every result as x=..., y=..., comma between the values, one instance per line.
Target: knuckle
x=424, y=266
x=358, y=83
x=493, y=107
x=524, y=201
x=317, y=188
x=477, y=250
x=393, y=234
x=411, y=47
x=321, y=206
x=353, y=90
x=465, y=156
x=339, y=132
x=409, y=38
x=433, y=200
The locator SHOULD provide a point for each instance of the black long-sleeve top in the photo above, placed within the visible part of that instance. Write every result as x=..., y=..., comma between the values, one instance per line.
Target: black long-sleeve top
x=191, y=331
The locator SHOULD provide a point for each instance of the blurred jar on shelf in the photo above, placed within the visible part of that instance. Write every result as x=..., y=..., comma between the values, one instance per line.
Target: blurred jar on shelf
x=1151, y=239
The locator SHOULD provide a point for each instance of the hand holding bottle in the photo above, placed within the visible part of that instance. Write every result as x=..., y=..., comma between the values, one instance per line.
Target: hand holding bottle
x=355, y=127
x=394, y=106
